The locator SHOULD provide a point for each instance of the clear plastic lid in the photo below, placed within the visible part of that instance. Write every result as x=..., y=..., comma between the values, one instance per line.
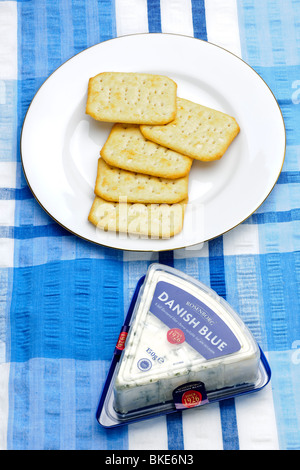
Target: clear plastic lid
x=182, y=346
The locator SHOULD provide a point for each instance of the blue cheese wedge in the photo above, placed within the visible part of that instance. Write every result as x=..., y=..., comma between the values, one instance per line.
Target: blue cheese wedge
x=181, y=332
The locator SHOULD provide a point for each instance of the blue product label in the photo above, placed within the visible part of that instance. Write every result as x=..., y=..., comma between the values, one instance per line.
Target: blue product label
x=192, y=321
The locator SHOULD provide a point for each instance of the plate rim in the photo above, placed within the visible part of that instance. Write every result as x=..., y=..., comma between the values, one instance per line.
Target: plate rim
x=157, y=250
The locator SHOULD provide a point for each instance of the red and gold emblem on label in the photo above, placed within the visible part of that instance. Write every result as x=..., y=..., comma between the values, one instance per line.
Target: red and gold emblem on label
x=191, y=398
x=175, y=336
x=121, y=341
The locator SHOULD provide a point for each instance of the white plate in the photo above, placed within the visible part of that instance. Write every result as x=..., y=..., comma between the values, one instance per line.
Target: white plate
x=60, y=144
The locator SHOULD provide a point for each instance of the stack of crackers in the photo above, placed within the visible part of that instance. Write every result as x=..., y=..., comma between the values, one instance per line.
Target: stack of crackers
x=144, y=166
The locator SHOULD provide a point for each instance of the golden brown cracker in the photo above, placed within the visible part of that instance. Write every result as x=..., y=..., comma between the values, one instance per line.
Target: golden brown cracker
x=127, y=148
x=114, y=183
x=136, y=98
x=150, y=220
x=197, y=131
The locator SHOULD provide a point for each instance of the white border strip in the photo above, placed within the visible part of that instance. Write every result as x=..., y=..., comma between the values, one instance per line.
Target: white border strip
x=176, y=17
x=131, y=17
x=202, y=428
x=222, y=24
x=150, y=434
x=8, y=41
x=4, y=405
x=256, y=421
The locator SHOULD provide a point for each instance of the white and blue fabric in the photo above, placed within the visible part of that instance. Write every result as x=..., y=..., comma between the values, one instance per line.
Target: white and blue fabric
x=63, y=299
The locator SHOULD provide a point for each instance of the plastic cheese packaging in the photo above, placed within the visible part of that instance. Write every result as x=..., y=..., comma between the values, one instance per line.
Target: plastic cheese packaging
x=181, y=346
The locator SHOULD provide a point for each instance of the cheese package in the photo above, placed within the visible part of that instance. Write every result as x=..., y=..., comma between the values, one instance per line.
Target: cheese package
x=181, y=346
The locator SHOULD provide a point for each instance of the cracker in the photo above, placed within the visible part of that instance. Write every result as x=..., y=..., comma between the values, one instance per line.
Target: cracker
x=197, y=131
x=150, y=220
x=127, y=148
x=114, y=183
x=136, y=98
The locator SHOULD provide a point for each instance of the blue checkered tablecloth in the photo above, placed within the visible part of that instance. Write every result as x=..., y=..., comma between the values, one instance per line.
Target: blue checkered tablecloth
x=63, y=300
